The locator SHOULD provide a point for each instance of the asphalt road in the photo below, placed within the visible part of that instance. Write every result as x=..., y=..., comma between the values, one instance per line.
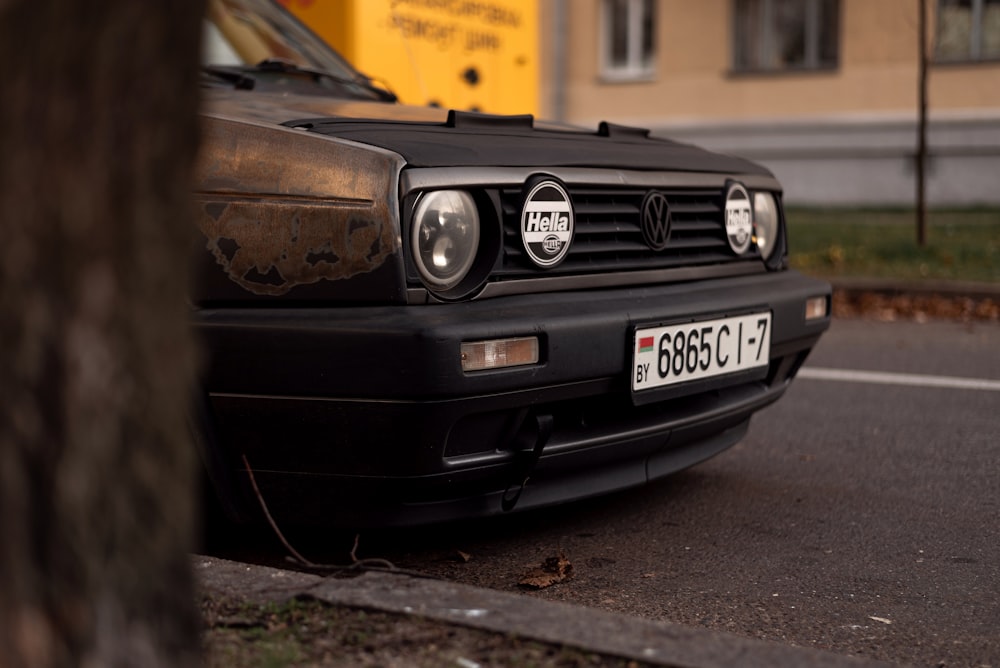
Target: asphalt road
x=860, y=515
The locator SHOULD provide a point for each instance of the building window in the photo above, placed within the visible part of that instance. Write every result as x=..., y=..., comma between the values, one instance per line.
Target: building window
x=782, y=35
x=628, y=38
x=968, y=30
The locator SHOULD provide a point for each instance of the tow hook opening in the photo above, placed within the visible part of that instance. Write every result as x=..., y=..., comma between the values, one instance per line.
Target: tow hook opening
x=527, y=444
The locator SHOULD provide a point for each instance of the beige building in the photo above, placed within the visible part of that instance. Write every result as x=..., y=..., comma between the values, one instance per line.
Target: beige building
x=825, y=92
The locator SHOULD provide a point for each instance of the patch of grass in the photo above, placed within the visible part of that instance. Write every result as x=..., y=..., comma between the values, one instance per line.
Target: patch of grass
x=962, y=245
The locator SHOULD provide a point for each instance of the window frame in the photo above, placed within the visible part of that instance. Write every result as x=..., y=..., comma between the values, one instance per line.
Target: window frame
x=812, y=37
x=634, y=68
x=974, y=54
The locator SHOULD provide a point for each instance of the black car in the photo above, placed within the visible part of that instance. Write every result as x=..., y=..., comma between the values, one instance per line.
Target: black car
x=415, y=314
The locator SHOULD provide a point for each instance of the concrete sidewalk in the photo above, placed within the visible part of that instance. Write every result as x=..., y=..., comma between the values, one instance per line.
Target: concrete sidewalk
x=597, y=631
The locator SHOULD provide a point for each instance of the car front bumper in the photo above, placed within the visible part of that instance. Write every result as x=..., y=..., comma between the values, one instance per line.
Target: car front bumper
x=363, y=415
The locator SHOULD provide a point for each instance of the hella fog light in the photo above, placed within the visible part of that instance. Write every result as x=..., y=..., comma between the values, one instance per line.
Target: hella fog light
x=499, y=353
x=816, y=308
x=765, y=223
x=445, y=237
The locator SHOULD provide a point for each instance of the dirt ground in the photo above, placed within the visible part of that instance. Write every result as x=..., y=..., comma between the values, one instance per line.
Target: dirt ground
x=921, y=307
x=308, y=632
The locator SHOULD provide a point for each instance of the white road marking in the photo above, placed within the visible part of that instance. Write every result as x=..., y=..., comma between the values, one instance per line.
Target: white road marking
x=908, y=379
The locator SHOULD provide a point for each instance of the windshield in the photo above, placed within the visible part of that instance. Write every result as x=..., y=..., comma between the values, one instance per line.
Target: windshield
x=245, y=33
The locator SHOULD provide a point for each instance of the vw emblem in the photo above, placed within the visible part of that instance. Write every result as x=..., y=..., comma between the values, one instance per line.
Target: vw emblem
x=655, y=220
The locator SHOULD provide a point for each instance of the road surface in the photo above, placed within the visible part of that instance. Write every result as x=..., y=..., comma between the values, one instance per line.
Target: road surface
x=861, y=514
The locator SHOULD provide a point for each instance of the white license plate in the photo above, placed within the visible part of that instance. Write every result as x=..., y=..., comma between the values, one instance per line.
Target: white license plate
x=679, y=353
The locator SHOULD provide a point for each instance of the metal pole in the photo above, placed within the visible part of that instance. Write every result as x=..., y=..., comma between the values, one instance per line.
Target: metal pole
x=922, y=129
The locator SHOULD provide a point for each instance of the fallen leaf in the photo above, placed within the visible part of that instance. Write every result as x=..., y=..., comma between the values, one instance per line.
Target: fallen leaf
x=552, y=571
x=464, y=557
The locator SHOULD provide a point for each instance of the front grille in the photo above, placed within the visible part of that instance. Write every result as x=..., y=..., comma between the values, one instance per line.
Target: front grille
x=608, y=236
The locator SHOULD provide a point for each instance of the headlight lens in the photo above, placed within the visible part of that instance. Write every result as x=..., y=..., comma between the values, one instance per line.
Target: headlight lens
x=445, y=237
x=765, y=223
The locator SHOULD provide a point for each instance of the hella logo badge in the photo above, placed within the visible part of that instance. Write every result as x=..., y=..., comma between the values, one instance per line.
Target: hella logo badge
x=739, y=218
x=655, y=220
x=547, y=224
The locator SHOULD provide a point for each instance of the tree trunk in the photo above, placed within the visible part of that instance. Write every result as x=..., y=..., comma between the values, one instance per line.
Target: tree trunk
x=97, y=139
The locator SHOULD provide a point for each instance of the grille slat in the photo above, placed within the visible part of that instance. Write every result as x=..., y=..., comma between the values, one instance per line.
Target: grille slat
x=690, y=208
x=588, y=246
x=689, y=226
x=612, y=228
x=607, y=209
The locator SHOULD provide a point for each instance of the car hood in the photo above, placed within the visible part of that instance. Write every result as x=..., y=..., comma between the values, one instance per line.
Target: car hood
x=432, y=137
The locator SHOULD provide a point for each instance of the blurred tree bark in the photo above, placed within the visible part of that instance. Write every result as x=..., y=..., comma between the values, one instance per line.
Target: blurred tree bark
x=97, y=138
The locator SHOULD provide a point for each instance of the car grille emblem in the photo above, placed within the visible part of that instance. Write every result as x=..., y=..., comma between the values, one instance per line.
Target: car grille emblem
x=739, y=218
x=547, y=223
x=656, y=220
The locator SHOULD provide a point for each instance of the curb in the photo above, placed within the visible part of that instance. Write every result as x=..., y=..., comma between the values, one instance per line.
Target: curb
x=970, y=289
x=597, y=631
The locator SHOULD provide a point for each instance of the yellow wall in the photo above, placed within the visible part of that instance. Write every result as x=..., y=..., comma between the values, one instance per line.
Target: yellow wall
x=426, y=50
x=693, y=80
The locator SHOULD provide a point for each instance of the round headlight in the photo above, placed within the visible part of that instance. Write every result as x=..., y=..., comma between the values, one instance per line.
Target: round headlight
x=765, y=223
x=445, y=237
